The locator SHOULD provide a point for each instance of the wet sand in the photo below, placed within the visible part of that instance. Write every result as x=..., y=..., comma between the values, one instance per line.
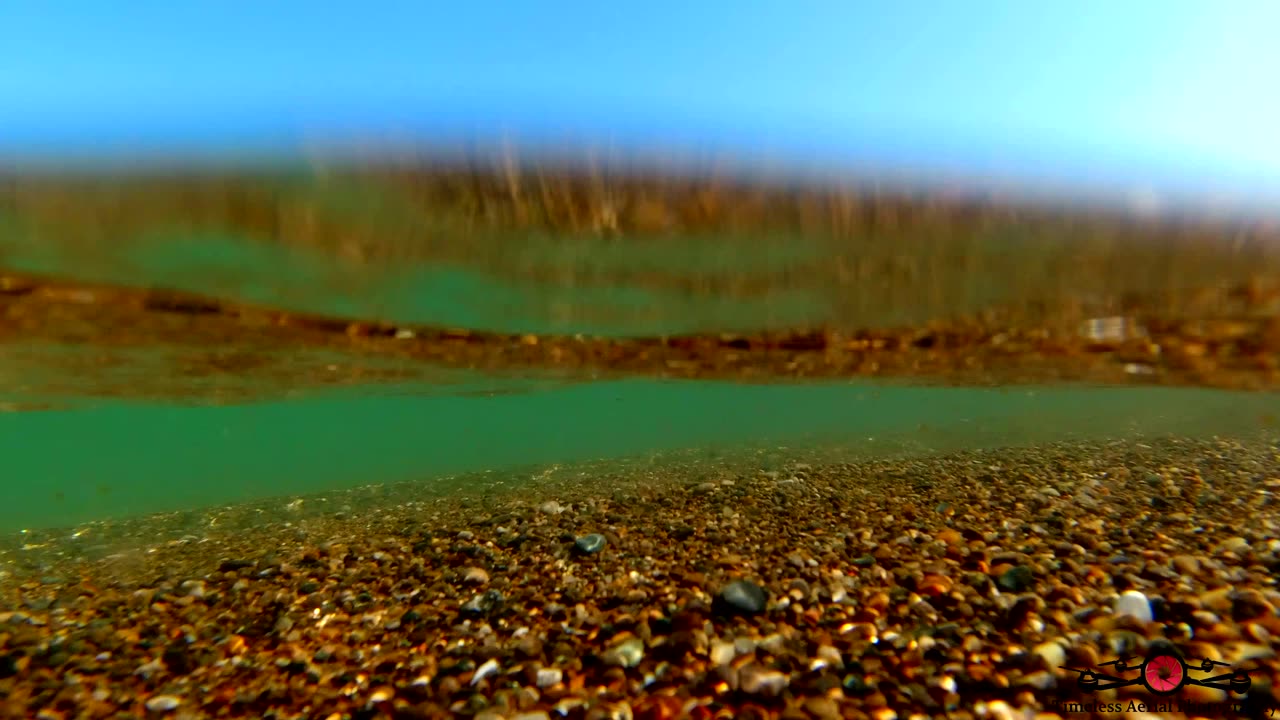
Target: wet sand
x=778, y=585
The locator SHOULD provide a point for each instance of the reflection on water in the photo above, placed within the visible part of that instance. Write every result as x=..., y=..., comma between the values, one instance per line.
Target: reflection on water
x=562, y=253
x=168, y=412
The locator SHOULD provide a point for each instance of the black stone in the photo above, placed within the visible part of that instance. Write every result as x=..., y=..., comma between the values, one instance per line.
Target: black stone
x=1159, y=608
x=741, y=597
x=1018, y=578
x=233, y=565
x=308, y=587
x=856, y=685
x=682, y=532
x=177, y=657
x=8, y=665
x=513, y=541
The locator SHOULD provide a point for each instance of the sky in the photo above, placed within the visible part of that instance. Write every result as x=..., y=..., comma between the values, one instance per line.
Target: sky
x=1147, y=89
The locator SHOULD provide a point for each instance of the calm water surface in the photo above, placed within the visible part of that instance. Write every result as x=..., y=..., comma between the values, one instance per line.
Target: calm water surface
x=90, y=456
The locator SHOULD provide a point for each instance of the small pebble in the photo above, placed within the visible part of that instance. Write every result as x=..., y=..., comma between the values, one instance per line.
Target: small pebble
x=1187, y=565
x=1134, y=604
x=489, y=668
x=1237, y=545
x=163, y=703
x=1016, y=579
x=475, y=576
x=722, y=653
x=589, y=544
x=381, y=695
x=822, y=708
x=483, y=604
x=628, y=653
x=756, y=680
x=548, y=677
x=742, y=597
x=1053, y=653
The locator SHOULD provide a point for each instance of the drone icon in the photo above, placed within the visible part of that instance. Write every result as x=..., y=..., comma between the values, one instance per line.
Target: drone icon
x=1163, y=672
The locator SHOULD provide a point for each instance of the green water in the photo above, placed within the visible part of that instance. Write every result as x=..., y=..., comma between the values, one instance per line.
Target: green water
x=114, y=459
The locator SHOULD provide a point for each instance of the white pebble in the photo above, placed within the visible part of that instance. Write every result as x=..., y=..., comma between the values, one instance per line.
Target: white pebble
x=380, y=695
x=765, y=682
x=548, y=677
x=1135, y=605
x=484, y=671
x=629, y=653
x=163, y=703
x=1055, y=656
x=722, y=653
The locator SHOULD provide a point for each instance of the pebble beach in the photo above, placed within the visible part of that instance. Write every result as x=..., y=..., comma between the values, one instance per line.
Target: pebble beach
x=962, y=586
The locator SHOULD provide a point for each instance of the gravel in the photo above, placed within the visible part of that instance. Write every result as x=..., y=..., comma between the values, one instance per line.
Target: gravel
x=967, y=592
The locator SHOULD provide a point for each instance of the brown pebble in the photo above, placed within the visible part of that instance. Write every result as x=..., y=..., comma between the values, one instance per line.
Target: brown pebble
x=950, y=537
x=1186, y=565
x=822, y=708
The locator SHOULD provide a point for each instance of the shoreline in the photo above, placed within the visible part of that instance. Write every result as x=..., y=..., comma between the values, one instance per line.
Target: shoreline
x=218, y=337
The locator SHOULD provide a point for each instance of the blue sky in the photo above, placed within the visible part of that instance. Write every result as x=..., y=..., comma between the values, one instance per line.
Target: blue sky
x=1145, y=87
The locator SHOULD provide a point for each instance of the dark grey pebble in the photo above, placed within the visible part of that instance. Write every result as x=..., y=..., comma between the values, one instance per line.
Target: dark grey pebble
x=483, y=604
x=1016, y=579
x=741, y=597
x=865, y=561
x=855, y=684
x=589, y=544
x=308, y=587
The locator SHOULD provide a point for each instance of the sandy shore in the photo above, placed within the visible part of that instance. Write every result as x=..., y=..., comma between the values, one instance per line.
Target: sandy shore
x=960, y=586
